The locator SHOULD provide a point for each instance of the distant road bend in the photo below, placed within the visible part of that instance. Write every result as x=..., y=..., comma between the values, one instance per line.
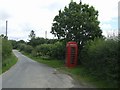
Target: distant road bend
x=27, y=73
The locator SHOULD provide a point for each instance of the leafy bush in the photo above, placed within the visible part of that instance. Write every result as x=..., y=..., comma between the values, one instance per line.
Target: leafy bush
x=6, y=48
x=43, y=49
x=36, y=41
x=28, y=49
x=56, y=50
x=24, y=47
x=34, y=53
x=101, y=58
x=14, y=44
x=8, y=59
x=21, y=46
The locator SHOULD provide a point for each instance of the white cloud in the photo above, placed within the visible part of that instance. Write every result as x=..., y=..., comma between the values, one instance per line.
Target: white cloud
x=119, y=8
x=108, y=9
x=26, y=15
x=108, y=30
x=106, y=26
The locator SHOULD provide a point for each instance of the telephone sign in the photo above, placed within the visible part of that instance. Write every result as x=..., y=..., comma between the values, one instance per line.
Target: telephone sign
x=71, y=54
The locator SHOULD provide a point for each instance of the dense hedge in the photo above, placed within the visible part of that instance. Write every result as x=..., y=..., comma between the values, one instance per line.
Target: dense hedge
x=6, y=48
x=28, y=49
x=101, y=58
x=0, y=55
x=44, y=49
x=21, y=47
x=6, y=53
x=24, y=47
x=14, y=44
x=56, y=50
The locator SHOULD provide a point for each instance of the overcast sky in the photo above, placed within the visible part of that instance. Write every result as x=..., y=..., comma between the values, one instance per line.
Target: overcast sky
x=26, y=15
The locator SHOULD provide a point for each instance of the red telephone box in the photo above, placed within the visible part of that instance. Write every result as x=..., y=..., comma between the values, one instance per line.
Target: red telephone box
x=71, y=54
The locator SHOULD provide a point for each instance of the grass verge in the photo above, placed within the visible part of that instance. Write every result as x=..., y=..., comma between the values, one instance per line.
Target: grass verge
x=79, y=73
x=9, y=62
x=0, y=71
x=50, y=62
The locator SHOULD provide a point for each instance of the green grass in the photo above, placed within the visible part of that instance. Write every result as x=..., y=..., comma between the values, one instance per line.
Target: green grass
x=8, y=62
x=0, y=70
x=83, y=76
x=79, y=73
x=50, y=62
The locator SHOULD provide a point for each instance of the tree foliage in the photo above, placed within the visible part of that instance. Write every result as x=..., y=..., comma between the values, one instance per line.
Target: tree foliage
x=101, y=58
x=6, y=48
x=14, y=44
x=56, y=50
x=32, y=34
x=77, y=22
x=39, y=40
x=21, y=46
x=36, y=41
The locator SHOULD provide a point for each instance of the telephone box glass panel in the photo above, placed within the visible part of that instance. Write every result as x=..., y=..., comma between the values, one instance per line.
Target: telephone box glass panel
x=72, y=56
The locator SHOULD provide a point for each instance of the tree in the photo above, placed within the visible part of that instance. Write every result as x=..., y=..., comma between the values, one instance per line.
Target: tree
x=21, y=41
x=32, y=34
x=14, y=44
x=36, y=41
x=2, y=36
x=77, y=22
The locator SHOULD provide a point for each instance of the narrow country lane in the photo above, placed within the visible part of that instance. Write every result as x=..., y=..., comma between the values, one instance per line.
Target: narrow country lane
x=31, y=74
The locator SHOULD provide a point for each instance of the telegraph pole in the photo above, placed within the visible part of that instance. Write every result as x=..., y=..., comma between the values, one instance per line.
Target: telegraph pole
x=80, y=1
x=45, y=34
x=6, y=27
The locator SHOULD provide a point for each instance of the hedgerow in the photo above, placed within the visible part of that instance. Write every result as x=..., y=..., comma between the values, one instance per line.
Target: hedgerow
x=101, y=58
x=6, y=48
